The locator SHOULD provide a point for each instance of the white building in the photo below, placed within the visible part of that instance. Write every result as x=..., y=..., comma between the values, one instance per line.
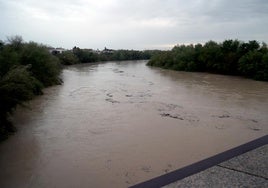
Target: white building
x=55, y=51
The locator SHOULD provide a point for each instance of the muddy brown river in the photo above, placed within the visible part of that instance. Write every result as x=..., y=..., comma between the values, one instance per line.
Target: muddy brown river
x=116, y=124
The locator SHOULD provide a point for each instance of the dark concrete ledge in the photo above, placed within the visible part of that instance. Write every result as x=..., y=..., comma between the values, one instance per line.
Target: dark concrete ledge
x=247, y=170
x=203, y=165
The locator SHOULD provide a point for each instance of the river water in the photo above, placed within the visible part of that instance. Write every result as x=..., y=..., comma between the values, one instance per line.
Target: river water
x=116, y=124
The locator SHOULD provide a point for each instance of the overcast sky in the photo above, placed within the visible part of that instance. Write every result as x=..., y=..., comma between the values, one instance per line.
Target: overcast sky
x=133, y=24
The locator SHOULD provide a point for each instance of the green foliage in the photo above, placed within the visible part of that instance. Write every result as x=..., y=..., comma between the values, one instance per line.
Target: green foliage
x=230, y=50
x=230, y=57
x=129, y=55
x=78, y=55
x=254, y=64
x=8, y=58
x=25, y=68
x=68, y=58
x=247, y=47
x=84, y=55
x=44, y=66
x=1, y=44
x=17, y=86
x=162, y=59
x=15, y=42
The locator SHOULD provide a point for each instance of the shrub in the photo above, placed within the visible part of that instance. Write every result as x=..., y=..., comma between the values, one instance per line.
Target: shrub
x=44, y=66
x=25, y=68
x=17, y=86
x=230, y=57
x=68, y=58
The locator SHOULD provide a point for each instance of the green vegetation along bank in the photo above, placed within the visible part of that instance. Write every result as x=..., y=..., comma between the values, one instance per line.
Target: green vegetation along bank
x=25, y=69
x=232, y=57
x=77, y=55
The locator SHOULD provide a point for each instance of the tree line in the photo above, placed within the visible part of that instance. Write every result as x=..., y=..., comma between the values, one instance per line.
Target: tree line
x=77, y=55
x=232, y=57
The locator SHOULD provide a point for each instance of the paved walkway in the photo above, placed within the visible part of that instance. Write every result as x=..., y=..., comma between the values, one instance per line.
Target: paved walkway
x=247, y=170
x=243, y=166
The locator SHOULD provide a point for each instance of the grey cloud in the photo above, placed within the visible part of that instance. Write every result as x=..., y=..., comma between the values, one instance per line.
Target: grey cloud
x=133, y=23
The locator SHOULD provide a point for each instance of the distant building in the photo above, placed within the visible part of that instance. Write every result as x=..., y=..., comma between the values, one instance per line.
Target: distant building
x=97, y=51
x=107, y=51
x=55, y=51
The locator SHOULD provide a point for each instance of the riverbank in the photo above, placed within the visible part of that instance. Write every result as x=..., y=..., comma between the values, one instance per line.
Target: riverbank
x=25, y=69
x=231, y=57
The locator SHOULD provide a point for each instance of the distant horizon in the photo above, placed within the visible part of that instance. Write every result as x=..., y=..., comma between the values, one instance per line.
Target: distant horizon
x=163, y=48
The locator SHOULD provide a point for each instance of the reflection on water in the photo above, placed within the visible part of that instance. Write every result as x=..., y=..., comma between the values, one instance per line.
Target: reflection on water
x=119, y=123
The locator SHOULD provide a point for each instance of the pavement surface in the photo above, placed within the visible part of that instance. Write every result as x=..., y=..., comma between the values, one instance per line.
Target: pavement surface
x=247, y=170
x=242, y=166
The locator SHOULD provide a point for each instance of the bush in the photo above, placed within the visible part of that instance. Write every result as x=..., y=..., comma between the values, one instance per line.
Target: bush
x=85, y=55
x=230, y=57
x=25, y=68
x=68, y=58
x=8, y=59
x=254, y=64
x=17, y=86
x=44, y=66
